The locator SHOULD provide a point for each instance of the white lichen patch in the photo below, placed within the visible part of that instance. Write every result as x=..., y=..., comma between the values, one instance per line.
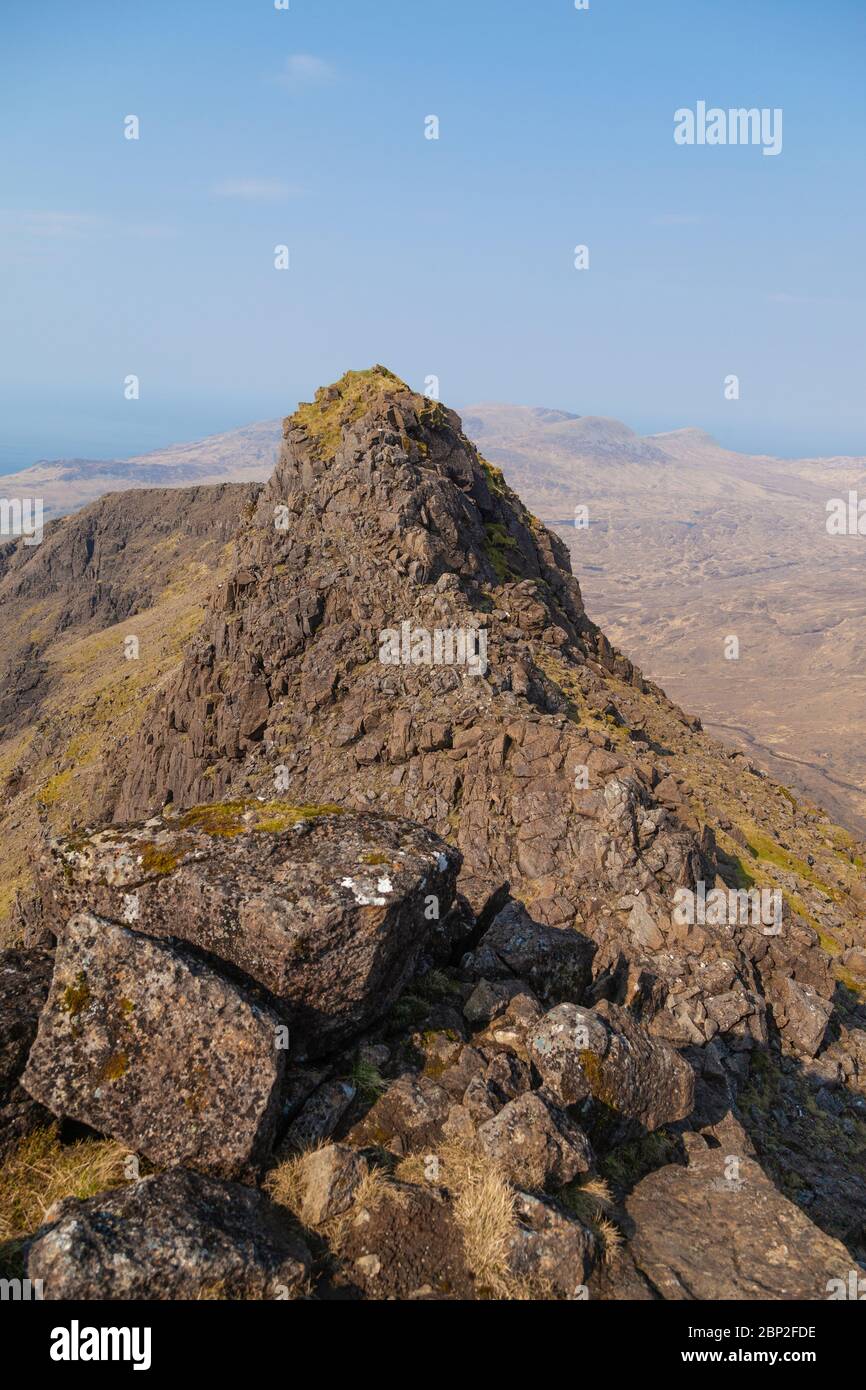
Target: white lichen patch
x=131, y=907
x=362, y=898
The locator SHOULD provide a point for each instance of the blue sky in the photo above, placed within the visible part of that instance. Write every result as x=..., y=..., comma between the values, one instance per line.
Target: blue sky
x=451, y=257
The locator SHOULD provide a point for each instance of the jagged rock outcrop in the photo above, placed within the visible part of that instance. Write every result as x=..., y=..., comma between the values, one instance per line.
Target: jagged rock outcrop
x=380, y=512
x=398, y=638
x=99, y=567
x=303, y=676
x=173, y=1235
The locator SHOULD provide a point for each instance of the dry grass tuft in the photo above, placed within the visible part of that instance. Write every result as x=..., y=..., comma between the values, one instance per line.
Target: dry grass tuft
x=285, y=1184
x=483, y=1205
x=591, y=1202
x=40, y=1171
x=609, y=1237
x=484, y=1211
x=483, y=1202
x=370, y=1193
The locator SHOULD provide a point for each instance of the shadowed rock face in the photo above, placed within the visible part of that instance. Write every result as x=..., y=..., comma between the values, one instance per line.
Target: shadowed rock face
x=25, y=977
x=157, y=1050
x=327, y=912
x=175, y=1235
x=96, y=568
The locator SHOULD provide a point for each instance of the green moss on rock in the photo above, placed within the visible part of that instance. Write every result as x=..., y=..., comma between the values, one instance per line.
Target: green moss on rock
x=229, y=818
x=115, y=1067
x=161, y=859
x=335, y=407
x=76, y=996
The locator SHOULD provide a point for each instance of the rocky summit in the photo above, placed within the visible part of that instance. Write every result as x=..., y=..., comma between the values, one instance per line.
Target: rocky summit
x=403, y=941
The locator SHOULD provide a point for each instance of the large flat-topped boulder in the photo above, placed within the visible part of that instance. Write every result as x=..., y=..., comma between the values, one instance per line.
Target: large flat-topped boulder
x=328, y=911
x=141, y=1041
x=719, y=1229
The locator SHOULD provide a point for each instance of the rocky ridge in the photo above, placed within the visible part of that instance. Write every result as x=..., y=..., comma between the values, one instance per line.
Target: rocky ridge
x=550, y=1040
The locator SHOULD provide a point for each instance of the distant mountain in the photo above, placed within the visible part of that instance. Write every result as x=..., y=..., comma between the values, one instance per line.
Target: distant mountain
x=689, y=543
x=239, y=456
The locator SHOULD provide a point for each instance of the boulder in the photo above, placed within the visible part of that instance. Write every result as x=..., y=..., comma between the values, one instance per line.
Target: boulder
x=409, y=1116
x=488, y=1000
x=149, y=1045
x=508, y=1032
x=331, y=1177
x=605, y=1056
x=455, y=1078
x=535, y=1144
x=319, y=1116
x=507, y=1077
x=854, y=959
x=801, y=1014
x=327, y=911
x=703, y=1232
x=550, y=1248
x=175, y=1235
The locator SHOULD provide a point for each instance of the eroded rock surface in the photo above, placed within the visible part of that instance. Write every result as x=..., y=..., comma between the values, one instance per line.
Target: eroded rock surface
x=606, y=1055
x=25, y=977
x=536, y=1144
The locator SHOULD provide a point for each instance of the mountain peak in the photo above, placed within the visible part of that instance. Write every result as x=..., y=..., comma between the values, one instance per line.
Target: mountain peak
x=339, y=405
x=380, y=512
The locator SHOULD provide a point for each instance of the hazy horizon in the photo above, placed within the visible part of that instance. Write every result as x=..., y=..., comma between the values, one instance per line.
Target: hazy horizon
x=114, y=437
x=452, y=256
